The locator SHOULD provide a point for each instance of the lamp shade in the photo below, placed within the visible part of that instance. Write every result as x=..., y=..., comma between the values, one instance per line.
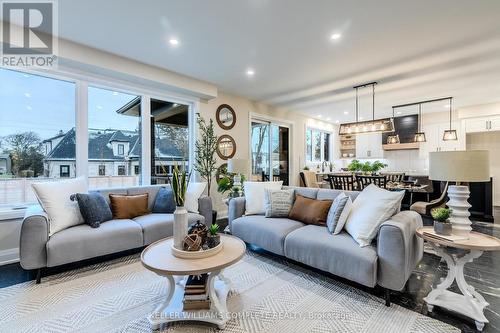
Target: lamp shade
x=237, y=165
x=460, y=166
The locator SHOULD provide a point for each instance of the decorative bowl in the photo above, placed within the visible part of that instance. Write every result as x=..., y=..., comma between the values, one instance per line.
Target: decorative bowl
x=197, y=254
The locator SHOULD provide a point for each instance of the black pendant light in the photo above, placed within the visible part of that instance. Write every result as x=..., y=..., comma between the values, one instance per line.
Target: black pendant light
x=450, y=134
x=393, y=138
x=419, y=136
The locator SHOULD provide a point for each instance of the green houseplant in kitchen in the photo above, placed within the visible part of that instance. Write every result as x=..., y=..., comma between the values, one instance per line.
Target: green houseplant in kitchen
x=180, y=181
x=442, y=224
x=213, y=238
x=367, y=167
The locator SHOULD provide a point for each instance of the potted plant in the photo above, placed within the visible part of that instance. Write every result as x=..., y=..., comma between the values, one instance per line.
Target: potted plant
x=226, y=184
x=205, y=149
x=442, y=224
x=179, y=186
x=213, y=238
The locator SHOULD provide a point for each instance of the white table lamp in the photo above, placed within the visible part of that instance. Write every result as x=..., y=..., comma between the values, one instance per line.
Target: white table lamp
x=460, y=166
x=237, y=166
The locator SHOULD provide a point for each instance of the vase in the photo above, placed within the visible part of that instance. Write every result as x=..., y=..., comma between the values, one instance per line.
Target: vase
x=213, y=240
x=180, y=226
x=443, y=228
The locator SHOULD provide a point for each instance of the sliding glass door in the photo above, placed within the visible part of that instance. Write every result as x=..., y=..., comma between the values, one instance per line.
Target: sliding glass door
x=269, y=149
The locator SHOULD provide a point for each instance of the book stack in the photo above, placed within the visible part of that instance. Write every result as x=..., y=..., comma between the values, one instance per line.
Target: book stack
x=196, y=293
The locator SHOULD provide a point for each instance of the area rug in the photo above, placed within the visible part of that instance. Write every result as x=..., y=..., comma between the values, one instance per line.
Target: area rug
x=270, y=295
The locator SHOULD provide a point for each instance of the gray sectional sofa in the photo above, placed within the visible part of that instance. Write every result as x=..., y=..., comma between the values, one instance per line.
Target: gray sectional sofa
x=38, y=250
x=387, y=262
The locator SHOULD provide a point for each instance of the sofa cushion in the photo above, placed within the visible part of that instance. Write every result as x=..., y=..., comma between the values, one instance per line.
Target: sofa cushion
x=267, y=233
x=278, y=203
x=307, y=192
x=310, y=211
x=158, y=226
x=326, y=194
x=106, y=192
x=337, y=254
x=83, y=242
x=93, y=207
x=151, y=190
x=129, y=206
x=164, y=202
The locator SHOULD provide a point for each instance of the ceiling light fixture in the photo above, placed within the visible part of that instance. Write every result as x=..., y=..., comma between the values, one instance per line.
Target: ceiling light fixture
x=250, y=72
x=335, y=36
x=450, y=134
x=173, y=41
x=393, y=138
x=368, y=126
x=419, y=136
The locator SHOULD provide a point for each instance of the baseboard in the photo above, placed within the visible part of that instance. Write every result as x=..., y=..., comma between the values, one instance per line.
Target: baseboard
x=9, y=256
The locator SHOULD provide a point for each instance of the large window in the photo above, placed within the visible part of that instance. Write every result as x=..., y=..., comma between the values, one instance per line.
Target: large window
x=114, y=138
x=37, y=126
x=318, y=145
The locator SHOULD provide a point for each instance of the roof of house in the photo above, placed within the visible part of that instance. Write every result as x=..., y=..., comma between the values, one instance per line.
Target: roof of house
x=100, y=147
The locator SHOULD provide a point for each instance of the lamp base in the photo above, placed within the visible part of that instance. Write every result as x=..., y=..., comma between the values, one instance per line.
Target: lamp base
x=459, y=209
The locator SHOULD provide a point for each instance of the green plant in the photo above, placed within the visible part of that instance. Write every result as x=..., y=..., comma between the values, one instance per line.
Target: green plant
x=355, y=165
x=180, y=181
x=306, y=168
x=205, y=148
x=213, y=229
x=377, y=166
x=441, y=214
x=226, y=183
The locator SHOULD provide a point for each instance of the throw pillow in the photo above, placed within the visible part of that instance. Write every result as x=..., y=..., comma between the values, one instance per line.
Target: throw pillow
x=254, y=196
x=337, y=216
x=93, y=207
x=193, y=193
x=372, y=207
x=128, y=206
x=164, y=201
x=278, y=202
x=310, y=211
x=54, y=197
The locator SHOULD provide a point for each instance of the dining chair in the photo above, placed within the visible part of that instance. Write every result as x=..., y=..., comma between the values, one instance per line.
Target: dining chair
x=364, y=181
x=341, y=182
x=424, y=208
x=394, y=176
x=309, y=179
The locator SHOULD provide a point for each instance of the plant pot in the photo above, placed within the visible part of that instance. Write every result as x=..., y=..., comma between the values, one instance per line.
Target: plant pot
x=443, y=228
x=180, y=226
x=213, y=241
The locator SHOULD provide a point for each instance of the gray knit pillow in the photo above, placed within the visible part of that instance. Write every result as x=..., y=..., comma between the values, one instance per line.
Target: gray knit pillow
x=93, y=208
x=278, y=203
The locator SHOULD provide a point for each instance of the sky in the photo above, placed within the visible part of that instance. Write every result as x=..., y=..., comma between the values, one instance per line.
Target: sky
x=46, y=106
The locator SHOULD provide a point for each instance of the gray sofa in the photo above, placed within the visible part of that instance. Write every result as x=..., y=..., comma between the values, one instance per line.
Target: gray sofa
x=387, y=262
x=38, y=250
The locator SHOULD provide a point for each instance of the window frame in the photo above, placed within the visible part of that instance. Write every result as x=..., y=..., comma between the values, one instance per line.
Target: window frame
x=310, y=149
x=64, y=174
x=121, y=149
x=124, y=170
x=103, y=168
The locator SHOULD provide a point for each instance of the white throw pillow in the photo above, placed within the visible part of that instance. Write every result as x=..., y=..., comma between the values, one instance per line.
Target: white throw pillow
x=54, y=197
x=193, y=193
x=372, y=207
x=254, y=195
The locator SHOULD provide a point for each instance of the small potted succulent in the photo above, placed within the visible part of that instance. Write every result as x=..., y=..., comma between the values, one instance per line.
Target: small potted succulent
x=213, y=238
x=442, y=224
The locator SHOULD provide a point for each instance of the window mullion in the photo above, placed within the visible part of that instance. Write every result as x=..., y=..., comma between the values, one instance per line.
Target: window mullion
x=81, y=129
x=146, y=140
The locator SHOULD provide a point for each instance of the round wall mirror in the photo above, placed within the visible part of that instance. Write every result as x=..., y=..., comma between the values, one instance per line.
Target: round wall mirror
x=226, y=117
x=226, y=147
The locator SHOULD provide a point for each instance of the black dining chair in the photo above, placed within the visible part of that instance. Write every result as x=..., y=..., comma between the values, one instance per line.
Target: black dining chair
x=394, y=176
x=341, y=182
x=364, y=181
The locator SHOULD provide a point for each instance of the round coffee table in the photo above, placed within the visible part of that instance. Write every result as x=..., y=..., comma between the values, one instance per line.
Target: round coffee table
x=470, y=303
x=158, y=258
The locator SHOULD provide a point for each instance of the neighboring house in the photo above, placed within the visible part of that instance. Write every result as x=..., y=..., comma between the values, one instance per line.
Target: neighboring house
x=111, y=153
x=5, y=164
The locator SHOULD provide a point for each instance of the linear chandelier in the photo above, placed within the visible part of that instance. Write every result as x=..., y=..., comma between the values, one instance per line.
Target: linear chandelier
x=369, y=126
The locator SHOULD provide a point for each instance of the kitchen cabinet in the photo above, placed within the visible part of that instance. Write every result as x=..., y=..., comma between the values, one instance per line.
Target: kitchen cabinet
x=434, y=136
x=369, y=145
x=482, y=124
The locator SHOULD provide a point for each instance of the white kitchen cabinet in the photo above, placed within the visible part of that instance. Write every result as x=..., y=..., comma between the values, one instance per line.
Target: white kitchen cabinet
x=434, y=136
x=369, y=145
x=482, y=124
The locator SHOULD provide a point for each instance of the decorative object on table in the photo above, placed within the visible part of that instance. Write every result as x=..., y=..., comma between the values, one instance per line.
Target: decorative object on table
x=196, y=293
x=180, y=181
x=226, y=147
x=213, y=237
x=442, y=225
x=199, y=229
x=225, y=116
x=459, y=166
x=205, y=149
x=469, y=303
x=192, y=242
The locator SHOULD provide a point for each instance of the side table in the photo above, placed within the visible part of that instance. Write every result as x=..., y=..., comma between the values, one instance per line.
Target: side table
x=470, y=303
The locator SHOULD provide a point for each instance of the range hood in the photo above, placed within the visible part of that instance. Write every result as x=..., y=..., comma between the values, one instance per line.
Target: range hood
x=405, y=127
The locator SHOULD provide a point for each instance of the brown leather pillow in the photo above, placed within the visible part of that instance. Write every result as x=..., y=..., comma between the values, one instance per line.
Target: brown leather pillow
x=128, y=206
x=310, y=211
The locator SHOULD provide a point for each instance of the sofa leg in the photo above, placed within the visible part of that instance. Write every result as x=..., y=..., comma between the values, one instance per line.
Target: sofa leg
x=38, y=276
x=387, y=297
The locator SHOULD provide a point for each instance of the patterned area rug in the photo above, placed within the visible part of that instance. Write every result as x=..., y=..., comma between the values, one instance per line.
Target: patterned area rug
x=269, y=296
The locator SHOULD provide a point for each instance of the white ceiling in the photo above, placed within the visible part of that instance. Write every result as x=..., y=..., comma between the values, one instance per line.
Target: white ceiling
x=415, y=49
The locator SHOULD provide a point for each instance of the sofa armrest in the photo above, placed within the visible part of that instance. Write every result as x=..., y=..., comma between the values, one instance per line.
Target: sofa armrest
x=34, y=237
x=205, y=209
x=399, y=249
x=236, y=209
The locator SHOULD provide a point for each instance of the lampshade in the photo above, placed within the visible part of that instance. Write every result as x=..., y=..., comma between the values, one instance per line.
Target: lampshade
x=237, y=165
x=460, y=166
x=450, y=135
x=393, y=139
x=419, y=137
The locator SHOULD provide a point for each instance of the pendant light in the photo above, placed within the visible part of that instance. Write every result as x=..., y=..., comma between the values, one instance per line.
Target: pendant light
x=450, y=135
x=393, y=138
x=419, y=136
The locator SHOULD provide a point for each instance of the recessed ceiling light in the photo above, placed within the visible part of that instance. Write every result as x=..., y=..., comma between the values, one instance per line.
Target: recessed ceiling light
x=29, y=107
x=27, y=94
x=250, y=72
x=346, y=112
x=173, y=41
x=335, y=36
